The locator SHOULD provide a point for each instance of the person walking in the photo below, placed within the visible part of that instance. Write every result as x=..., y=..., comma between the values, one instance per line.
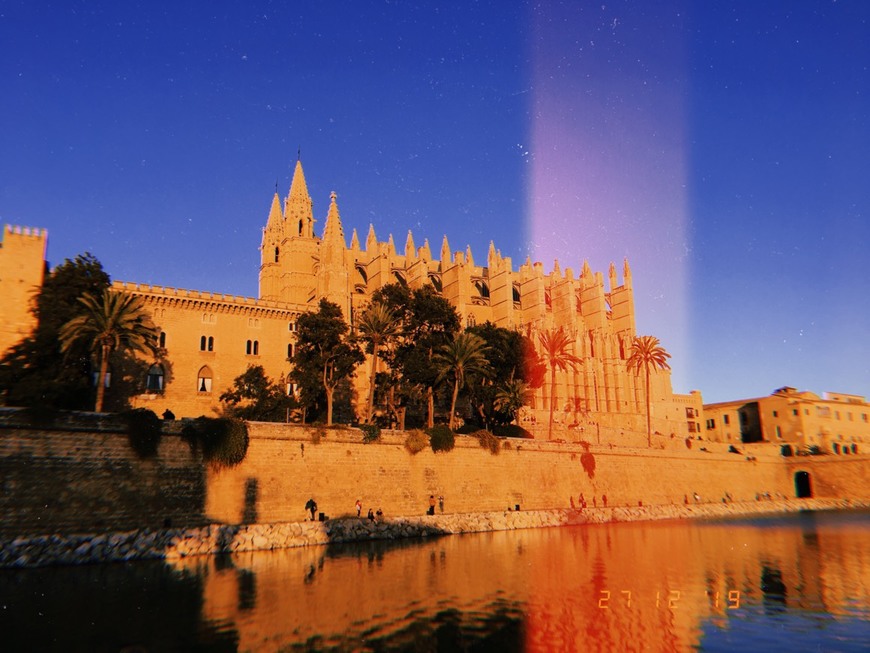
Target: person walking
x=358, y=507
x=311, y=506
x=431, y=504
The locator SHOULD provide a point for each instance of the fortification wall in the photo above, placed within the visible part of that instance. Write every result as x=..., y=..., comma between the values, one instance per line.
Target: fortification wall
x=66, y=481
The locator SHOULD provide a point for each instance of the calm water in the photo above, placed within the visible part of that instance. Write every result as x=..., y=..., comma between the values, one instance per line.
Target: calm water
x=797, y=583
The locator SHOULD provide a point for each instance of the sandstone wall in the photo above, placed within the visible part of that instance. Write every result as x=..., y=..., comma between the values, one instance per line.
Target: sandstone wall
x=68, y=481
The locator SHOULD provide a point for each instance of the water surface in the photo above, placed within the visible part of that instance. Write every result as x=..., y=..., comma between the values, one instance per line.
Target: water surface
x=799, y=582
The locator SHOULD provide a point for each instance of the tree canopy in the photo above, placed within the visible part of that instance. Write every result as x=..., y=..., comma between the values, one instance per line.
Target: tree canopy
x=254, y=396
x=647, y=354
x=35, y=372
x=325, y=356
x=428, y=321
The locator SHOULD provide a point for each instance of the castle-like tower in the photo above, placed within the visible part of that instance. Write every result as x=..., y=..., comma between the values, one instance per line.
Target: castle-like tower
x=22, y=267
x=299, y=268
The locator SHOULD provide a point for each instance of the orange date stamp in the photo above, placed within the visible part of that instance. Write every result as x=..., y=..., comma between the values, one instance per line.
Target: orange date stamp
x=669, y=599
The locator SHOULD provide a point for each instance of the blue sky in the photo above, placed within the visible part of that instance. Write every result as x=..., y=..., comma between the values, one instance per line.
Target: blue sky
x=722, y=147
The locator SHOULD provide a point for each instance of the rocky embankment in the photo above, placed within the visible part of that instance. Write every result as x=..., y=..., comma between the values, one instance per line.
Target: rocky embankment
x=224, y=538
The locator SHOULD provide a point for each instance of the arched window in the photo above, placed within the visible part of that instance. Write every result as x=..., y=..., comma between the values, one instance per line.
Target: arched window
x=154, y=380
x=256, y=347
x=300, y=227
x=203, y=379
x=290, y=350
x=276, y=255
x=516, y=289
x=210, y=343
x=248, y=347
x=202, y=342
x=162, y=340
x=482, y=289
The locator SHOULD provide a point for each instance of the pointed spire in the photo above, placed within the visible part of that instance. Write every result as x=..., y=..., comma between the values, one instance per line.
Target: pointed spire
x=276, y=218
x=445, y=252
x=298, y=208
x=371, y=240
x=611, y=274
x=410, y=250
x=298, y=187
x=391, y=246
x=425, y=252
x=468, y=257
x=626, y=271
x=354, y=240
x=492, y=256
x=332, y=232
x=557, y=271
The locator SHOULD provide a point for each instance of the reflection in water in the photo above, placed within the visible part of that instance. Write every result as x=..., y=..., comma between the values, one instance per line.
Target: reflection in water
x=679, y=586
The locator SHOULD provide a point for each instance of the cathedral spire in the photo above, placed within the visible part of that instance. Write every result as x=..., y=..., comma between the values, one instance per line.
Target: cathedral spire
x=371, y=240
x=276, y=218
x=332, y=232
x=298, y=207
x=354, y=240
x=410, y=250
x=445, y=253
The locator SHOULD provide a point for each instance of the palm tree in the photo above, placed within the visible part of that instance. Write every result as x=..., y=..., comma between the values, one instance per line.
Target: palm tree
x=112, y=322
x=554, y=347
x=465, y=355
x=647, y=353
x=376, y=326
x=511, y=396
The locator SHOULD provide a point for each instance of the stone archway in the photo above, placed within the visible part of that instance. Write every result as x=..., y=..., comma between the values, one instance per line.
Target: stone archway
x=803, y=485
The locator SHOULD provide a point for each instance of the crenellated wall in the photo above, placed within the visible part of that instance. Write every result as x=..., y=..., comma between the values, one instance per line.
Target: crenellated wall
x=88, y=481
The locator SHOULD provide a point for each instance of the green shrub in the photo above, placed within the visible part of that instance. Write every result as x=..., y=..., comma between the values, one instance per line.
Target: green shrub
x=371, y=432
x=511, y=431
x=223, y=440
x=441, y=438
x=488, y=441
x=416, y=441
x=144, y=429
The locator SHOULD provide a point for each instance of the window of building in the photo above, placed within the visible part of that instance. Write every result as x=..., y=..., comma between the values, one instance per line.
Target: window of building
x=711, y=424
x=252, y=347
x=837, y=414
x=162, y=340
x=256, y=347
x=248, y=348
x=794, y=412
x=291, y=326
x=692, y=428
x=203, y=379
x=290, y=350
x=726, y=419
x=107, y=381
x=154, y=380
x=516, y=293
x=210, y=343
x=778, y=432
x=276, y=255
x=202, y=341
x=775, y=413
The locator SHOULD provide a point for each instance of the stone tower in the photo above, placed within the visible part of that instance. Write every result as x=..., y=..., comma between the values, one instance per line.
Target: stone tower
x=22, y=268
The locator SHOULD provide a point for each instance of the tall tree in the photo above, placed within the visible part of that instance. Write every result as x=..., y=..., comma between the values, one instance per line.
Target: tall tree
x=325, y=355
x=510, y=396
x=555, y=347
x=512, y=357
x=464, y=356
x=35, y=372
x=111, y=322
x=377, y=326
x=428, y=321
x=647, y=354
x=254, y=396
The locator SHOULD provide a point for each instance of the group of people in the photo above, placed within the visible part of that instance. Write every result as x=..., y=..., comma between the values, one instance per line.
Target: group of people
x=431, y=510
x=371, y=516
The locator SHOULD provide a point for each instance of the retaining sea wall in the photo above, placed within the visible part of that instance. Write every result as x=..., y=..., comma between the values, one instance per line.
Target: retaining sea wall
x=82, y=478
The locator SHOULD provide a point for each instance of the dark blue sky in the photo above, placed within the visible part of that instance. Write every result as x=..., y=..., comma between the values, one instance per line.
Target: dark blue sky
x=723, y=149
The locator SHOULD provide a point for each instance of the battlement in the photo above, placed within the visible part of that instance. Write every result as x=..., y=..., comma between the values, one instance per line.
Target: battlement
x=26, y=232
x=182, y=293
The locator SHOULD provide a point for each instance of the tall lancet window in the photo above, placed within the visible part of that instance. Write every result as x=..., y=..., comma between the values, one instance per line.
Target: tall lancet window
x=276, y=255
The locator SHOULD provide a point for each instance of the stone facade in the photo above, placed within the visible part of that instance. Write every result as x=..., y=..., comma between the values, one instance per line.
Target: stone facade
x=22, y=266
x=835, y=422
x=210, y=338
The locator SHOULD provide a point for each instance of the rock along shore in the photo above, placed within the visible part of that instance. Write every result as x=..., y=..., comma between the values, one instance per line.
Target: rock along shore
x=225, y=538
